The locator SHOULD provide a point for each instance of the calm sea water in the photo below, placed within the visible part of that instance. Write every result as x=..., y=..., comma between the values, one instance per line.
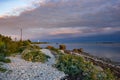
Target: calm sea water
x=109, y=50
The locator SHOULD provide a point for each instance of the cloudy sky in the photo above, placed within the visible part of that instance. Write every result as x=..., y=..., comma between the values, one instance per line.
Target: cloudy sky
x=61, y=20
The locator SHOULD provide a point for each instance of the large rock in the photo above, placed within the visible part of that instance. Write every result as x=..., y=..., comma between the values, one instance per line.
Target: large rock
x=78, y=50
x=62, y=47
x=81, y=50
x=49, y=47
x=75, y=50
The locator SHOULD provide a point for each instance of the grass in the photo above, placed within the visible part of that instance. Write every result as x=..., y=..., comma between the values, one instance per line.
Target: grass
x=35, y=56
x=57, y=51
x=2, y=69
x=4, y=59
x=77, y=68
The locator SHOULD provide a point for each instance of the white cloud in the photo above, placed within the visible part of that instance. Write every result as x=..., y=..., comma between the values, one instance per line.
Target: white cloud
x=61, y=19
x=15, y=8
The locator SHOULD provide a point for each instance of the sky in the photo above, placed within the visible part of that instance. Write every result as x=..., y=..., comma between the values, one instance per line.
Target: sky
x=61, y=20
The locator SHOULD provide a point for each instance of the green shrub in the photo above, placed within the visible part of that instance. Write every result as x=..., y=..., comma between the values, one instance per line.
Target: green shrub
x=2, y=46
x=109, y=74
x=26, y=43
x=35, y=56
x=9, y=47
x=69, y=64
x=57, y=51
x=3, y=59
x=76, y=66
x=7, y=60
x=3, y=69
x=35, y=47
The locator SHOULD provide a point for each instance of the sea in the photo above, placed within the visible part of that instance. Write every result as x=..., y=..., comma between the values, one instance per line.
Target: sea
x=108, y=50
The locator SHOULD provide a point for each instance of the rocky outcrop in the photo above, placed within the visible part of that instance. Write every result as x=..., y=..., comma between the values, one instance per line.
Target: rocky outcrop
x=62, y=47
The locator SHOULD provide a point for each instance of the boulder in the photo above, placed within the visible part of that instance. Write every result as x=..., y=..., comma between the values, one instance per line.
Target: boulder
x=49, y=47
x=62, y=47
x=75, y=50
x=80, y=50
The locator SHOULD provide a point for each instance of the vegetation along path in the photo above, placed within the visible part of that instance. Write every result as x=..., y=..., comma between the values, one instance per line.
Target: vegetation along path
x=20, y=69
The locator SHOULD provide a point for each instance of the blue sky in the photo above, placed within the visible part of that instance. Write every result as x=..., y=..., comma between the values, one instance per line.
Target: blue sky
x=15, y=7
x=61, y=20
x=7, y=6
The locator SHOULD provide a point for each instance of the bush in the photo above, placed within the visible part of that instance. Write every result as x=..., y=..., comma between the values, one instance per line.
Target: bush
x=9, y=47
x=69, y=64
x=35, y=56
x=2, y=69
x=77, y=68
x=7, y=61
x=3, y=59
x=57, y=51
x=62, y=47
x=2, y=45
x=109, y=74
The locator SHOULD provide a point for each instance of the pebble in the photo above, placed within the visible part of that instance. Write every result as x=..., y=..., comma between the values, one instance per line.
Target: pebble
x=24, y=70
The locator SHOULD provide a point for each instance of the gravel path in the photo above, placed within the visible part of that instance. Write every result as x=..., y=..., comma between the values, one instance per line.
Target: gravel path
x=20, y=69
x=51, y=61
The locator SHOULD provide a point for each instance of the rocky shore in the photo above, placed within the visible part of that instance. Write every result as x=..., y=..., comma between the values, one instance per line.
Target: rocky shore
x=96, y=61
x=20, y=69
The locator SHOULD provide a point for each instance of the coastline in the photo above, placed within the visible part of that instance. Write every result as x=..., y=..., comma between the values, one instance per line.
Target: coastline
x=110, y=51
x=95, y=61
x=98, y=62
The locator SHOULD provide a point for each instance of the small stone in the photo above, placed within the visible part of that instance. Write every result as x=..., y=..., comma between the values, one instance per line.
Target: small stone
x=25, y=70
x=41, y=73
x=22, y=71
x=0, y=78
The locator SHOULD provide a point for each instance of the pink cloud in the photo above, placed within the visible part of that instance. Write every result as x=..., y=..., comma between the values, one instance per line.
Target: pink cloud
x=65, y=31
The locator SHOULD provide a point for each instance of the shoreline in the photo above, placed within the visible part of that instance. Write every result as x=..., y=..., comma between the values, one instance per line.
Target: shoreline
x=107, y=51
x=96, y=61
